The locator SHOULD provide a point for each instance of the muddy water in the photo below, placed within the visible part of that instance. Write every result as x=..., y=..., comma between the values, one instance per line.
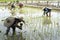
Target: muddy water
x=37, y=27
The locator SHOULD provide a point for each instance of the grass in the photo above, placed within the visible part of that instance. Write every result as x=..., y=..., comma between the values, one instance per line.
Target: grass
x=6, y=0
x=10, y=0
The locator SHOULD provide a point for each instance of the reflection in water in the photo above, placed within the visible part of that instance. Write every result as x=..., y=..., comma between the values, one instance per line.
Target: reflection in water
x=13, y=12
x=46, y=20
x=21, y=11
x=15, y=37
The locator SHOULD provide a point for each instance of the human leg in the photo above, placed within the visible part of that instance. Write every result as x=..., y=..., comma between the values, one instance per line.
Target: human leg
x=7, y=31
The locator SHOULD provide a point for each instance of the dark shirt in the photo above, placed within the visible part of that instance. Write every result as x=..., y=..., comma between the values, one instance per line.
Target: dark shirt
x=47, y=9
x=13, y=6
x=17, y=20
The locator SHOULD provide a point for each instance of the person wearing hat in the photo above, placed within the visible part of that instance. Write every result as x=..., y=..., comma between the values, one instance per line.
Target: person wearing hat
x=13, y=6
x=13, y=23
x=20, y=5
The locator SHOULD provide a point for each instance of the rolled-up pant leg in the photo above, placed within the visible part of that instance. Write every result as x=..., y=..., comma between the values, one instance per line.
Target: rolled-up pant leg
x=49, y=13
x=13, y=30
x=44, y=13
x=7, y=31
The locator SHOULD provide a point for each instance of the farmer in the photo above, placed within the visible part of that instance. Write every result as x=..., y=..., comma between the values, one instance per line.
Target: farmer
x=13, y=23
x=20, y=5
x=13, y=6
x=46, y=11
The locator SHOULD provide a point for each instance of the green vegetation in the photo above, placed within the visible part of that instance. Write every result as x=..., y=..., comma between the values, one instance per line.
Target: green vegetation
x=26, y=0
x=7, y=0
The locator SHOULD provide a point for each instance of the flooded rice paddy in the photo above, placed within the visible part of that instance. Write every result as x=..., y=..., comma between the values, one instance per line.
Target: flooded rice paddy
x=37, y=27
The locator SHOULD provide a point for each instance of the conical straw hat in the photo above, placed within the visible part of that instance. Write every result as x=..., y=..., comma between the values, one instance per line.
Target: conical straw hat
x=8, y=21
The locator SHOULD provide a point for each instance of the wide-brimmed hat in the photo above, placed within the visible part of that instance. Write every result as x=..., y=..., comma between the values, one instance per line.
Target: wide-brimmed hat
x=9, y=21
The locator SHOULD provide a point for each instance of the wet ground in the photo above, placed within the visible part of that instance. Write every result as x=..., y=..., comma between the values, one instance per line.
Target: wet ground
x=37, y=27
